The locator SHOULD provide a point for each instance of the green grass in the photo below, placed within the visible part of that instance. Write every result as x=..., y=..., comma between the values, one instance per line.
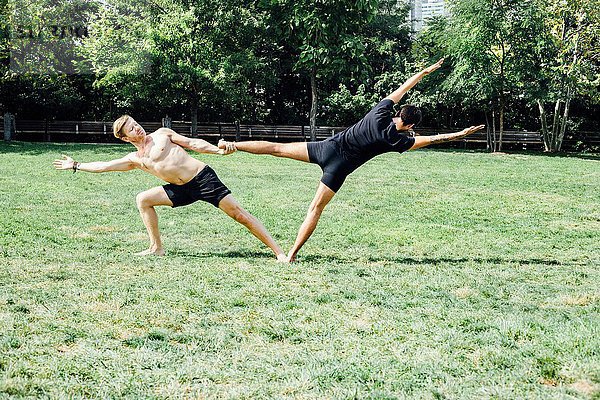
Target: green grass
x=433, y=274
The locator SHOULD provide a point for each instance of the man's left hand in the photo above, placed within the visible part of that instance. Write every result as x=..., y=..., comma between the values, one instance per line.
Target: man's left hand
x=471, y=129
x=433, y=67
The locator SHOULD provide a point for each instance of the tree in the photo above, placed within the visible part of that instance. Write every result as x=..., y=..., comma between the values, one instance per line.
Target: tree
x=4, y=52
x=324, y=41
x=485, y=44
x=175, y=52
x=387, y=44
x=445, y=101
x=38, y=57
x=570, y=63
x=508, y=53
x=480, y=48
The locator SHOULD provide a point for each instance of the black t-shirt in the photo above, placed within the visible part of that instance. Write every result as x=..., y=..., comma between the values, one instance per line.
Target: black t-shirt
x=373, y=135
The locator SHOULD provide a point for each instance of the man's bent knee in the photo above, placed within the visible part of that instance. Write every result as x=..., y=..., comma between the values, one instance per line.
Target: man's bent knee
x=142, y=200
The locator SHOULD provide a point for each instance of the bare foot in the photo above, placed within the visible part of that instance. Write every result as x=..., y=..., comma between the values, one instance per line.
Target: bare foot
x=282, y=258
x=151, y=252
x=291, y=258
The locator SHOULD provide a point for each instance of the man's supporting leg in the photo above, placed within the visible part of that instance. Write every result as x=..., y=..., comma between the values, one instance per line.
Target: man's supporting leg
x=296, y=151
x=146, y=201
x=231, y=207
x=321, y=199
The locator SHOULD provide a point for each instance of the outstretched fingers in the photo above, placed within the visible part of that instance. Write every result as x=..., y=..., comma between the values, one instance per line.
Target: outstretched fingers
x=474, y=129
x=65, y=163
x=435, y=66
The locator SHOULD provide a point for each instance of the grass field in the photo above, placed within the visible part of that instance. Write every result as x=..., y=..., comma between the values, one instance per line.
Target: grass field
x=432, y=275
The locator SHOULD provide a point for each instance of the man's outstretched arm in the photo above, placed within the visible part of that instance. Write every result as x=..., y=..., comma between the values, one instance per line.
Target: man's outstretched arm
x=121, y=164
x=422, y=141
x=199, y=145
x=412, y=81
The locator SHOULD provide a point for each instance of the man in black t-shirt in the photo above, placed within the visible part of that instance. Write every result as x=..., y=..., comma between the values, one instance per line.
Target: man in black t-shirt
x=377, y=133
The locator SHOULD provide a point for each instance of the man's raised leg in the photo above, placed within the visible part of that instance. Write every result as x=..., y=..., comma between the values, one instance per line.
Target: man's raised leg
x=231, y=207
x=146, y=201
x=321, y=199
x=296, y=151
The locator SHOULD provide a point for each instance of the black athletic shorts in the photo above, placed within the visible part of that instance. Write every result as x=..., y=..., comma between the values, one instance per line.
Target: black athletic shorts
x=328, y=155
x=205, y=186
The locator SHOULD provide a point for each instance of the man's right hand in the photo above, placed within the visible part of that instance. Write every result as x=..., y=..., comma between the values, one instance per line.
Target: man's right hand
x=226, y=147
x=66, y=163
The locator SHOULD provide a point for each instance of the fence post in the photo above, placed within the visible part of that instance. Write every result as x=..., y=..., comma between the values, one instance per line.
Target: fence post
x=166, y=122
x=238, y=135
x=9, y=125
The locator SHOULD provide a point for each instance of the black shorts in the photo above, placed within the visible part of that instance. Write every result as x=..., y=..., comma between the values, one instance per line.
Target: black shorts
x=205, y=186
x=328, y=155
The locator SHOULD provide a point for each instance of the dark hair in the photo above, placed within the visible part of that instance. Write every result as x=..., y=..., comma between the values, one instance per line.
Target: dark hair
x=410, y=115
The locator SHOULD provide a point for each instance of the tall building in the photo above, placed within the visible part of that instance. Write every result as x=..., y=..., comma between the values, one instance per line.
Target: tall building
x=422, y=10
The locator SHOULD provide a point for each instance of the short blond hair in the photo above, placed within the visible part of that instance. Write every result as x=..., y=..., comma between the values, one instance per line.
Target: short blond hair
x=118, y=126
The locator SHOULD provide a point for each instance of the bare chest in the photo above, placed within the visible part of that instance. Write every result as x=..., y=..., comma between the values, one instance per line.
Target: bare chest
x=158, y=152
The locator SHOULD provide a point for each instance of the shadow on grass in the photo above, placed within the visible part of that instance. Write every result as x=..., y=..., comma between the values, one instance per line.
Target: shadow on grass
x=461, y=260
x=327, y=258
x=226, y=254
x=434, y=261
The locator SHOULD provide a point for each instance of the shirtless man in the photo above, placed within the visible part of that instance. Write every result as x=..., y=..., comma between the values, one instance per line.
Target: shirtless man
x=162, y=154
x=338, y=156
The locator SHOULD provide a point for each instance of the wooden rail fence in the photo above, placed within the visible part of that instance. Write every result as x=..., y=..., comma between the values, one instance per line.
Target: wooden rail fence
x=90, y=131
